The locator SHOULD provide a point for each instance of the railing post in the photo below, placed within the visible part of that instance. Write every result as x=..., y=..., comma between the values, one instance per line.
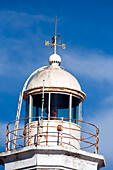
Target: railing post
x=47, y=135
x=29, y=132
x=9, y=143
x=69, y=130
x=49, y=106
x=61, y=133
x=7, y=139
x=38, y=130
x=30, y=117
x=70, y=106
x=96, y=148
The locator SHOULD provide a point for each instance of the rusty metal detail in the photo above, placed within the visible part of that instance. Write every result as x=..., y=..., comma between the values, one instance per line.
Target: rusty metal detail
x=97, y=139
x=59, y=128
x=77, y=93
x=25, y=133
x=47, y=135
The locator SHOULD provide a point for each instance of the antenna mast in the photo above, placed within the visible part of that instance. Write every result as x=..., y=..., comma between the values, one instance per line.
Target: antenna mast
x=55, y=34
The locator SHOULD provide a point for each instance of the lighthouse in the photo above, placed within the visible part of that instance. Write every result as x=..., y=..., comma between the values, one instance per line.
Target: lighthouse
x=52, y=135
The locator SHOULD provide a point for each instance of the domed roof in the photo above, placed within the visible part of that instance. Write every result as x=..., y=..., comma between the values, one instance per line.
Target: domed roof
x=54, y=76
x=55, y=79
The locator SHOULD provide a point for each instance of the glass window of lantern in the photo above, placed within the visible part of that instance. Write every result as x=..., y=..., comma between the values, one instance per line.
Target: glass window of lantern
x=59, y=106
x=37, y=105
x=76, y=110
x=27, y=109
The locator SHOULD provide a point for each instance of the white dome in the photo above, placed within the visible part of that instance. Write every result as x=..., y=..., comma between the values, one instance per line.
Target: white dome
x=54, y=76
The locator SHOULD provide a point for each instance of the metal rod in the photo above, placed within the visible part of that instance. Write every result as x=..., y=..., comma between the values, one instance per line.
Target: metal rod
x=30, y=116
x=28, y=133
x=30, y=107
x=55, y=25
x=61, y=133
x=58, y=138
x=39, y=131
x=70, y=106
x=55, y=34
x=47, y=135
x=49, y=106
x=42, y=113
x=7, y=139
x=96, y=148
x=9, y=142
x=80, y=113
x=42, y=100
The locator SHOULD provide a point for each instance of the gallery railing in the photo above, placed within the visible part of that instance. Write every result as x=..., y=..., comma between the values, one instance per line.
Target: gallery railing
x=59, y=131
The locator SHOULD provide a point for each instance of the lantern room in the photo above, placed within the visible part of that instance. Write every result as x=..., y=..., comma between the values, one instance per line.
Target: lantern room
x=55, y=91
x=53, y=95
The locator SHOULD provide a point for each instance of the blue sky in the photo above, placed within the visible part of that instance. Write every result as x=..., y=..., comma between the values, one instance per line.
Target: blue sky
x=86, y=27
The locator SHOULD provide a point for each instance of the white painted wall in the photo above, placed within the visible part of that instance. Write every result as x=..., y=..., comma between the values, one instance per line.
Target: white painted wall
x=71, y=132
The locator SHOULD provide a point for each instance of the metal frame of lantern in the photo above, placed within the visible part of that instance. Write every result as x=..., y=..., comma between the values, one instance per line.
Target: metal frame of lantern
x=56, y=90
x=79, y=94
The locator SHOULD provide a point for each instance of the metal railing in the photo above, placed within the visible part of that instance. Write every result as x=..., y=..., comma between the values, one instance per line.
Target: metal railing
x=88, y=133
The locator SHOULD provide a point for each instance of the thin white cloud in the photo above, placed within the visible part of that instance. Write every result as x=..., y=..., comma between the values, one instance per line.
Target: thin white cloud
x=104, y=121
x=108, y=101
x=95, y=65
x=18, y=20
x=2, y=135
x=20, y=54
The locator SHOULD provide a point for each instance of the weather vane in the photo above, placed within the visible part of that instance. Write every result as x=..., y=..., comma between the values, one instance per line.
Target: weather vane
x=54, y=42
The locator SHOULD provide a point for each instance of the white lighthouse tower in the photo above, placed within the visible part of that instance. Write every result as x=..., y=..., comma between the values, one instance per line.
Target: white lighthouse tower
x=52, y=136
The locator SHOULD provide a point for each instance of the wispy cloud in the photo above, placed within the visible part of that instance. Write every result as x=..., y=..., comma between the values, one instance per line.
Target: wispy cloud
x=18, y=20
x=104, y=120
x=2, y=135
x=108, y=101
x=20, y=46
x=94, y=64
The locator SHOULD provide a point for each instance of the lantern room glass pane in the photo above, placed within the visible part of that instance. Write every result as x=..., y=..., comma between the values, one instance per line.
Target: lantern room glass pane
x=27, y=110
x=37, y=105
x=59, y=106
x=76, y=110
